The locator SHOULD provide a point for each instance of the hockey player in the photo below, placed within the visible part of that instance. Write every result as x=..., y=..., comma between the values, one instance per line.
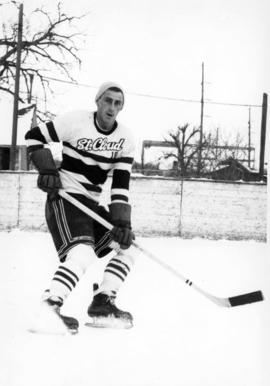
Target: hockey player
x=94, y=144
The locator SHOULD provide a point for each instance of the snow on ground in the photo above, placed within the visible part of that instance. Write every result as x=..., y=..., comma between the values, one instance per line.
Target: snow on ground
x=179, y=337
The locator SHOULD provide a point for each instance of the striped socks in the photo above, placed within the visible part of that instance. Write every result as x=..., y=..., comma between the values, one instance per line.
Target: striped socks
x=69, y=272
x=64, y=281
x=115, y=273
x=117, y=268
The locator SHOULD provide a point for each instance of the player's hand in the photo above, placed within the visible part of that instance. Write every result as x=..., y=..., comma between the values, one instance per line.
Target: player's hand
x=123, y=236
x=49, y=181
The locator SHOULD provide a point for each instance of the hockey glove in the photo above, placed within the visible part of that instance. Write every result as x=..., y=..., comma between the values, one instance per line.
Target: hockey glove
x=123, y=236
x=121, y=219
x=48, y=179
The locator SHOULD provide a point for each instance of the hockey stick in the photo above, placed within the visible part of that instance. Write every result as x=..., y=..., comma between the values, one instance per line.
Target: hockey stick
x=250, y=297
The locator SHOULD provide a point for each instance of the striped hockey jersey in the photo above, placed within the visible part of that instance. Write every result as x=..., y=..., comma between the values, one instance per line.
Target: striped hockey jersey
x=89, y=153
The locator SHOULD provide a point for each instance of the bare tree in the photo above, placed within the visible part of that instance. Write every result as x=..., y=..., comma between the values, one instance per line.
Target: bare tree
x=52, y=46
x=219, y=149
x=237, y=151
x=212, y=152
x=183, y=138
x=216, y=150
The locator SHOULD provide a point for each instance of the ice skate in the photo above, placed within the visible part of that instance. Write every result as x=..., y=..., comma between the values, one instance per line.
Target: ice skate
x=49, y=320
x=104, y=313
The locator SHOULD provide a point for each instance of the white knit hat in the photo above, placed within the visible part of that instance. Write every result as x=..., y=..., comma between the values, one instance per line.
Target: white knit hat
x=105, y=86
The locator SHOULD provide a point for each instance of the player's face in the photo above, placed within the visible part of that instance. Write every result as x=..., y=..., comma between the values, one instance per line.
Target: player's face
x=109, y=105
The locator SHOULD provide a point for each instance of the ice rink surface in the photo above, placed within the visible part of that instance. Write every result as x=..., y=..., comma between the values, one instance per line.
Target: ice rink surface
x=179, y=337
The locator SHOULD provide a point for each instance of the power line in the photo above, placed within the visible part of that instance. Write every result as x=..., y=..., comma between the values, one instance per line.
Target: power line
x=157, y=96
x=70, y=82
x=232, y=104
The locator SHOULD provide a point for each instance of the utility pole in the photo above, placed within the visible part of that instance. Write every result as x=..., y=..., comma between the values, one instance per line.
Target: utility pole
x=199, y=166
x=16, y=92
x=263, y=135
x=249, y=137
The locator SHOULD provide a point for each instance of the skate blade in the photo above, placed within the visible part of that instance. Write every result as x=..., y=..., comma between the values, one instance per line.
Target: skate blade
x=44, y=331
x=46, y=321
x=109, y=322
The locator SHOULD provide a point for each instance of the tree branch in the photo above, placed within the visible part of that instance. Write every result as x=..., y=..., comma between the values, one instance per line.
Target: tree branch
x=42, y=51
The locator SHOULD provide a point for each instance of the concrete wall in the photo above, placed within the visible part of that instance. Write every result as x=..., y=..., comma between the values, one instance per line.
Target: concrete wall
x=160, y=207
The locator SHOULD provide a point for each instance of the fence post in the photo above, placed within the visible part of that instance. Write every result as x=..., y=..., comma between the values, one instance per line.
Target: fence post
x=181, y=205
x=263, y=135
x=19, y=199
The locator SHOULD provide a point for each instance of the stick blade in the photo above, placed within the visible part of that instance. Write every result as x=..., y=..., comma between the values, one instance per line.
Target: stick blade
x=251, y=297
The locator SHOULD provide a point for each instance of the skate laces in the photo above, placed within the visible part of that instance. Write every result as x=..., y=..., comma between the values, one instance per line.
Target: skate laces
x=111, y=299
x=55, y=302
x=103, y=298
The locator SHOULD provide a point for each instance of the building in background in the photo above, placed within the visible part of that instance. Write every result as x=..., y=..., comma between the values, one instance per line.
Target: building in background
x=26, y=120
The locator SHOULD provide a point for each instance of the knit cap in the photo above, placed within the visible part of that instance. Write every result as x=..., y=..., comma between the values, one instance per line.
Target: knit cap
x=105, y=86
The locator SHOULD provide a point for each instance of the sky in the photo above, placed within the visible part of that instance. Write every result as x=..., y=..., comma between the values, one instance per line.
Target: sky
x=155, y=50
